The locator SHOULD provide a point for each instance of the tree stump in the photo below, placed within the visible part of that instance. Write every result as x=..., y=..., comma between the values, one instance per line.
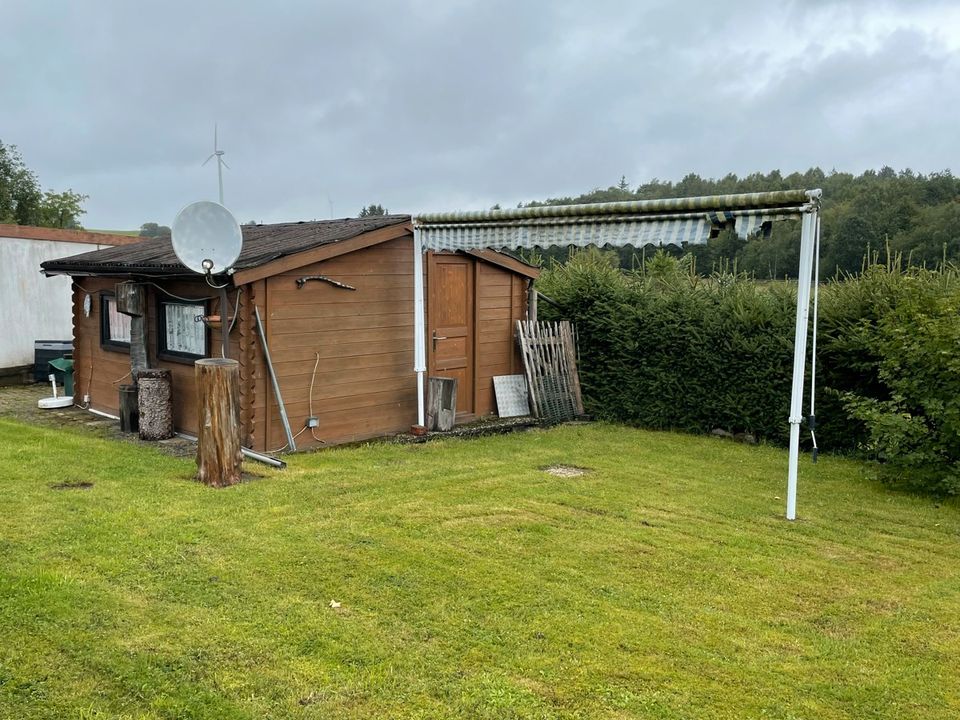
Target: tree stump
x=155, y=403
x=218, y=437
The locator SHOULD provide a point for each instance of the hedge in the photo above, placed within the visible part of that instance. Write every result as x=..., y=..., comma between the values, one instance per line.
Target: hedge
x=664, y=348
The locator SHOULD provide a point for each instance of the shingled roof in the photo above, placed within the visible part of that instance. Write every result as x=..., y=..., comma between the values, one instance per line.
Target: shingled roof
x=261, y=244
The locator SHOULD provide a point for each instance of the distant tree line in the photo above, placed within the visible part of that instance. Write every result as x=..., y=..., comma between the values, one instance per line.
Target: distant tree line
x=373, y=211
x=22, y=202
x=153, y=230
x=908, y=213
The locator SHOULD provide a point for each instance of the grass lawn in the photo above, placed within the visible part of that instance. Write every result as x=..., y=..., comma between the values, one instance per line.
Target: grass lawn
x=664, y=584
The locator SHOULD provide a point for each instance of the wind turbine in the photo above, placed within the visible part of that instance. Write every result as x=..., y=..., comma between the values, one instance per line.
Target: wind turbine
x=221, y=163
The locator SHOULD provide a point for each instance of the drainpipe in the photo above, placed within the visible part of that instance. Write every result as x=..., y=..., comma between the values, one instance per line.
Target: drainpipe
x=419, y=323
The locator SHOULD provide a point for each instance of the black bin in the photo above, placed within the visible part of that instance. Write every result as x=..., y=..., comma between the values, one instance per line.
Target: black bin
x=46, y=350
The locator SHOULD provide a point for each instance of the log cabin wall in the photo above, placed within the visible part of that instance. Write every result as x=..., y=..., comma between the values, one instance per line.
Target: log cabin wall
x=364, y=385
x=97, y=372
x=501, y=301
x=100, y=370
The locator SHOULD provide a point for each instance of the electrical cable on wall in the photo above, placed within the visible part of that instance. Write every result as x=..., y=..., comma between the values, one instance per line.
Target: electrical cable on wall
x=313, y=378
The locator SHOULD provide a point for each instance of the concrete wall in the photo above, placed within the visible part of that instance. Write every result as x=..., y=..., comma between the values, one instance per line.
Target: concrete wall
x=32, y=306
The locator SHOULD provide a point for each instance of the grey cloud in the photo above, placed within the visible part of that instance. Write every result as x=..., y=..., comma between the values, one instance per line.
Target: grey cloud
x=424, y=105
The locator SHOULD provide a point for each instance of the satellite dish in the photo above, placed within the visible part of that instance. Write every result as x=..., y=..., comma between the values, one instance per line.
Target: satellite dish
x=206, y=237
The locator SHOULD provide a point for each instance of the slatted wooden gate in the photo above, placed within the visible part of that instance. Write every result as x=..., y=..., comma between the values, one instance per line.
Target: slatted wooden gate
x=550, y=361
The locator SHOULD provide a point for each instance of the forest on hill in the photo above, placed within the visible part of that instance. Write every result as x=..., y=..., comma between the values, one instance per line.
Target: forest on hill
x=914, y=215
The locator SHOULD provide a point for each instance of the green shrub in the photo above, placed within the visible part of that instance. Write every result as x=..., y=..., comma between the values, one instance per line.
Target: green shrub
x=914, y=426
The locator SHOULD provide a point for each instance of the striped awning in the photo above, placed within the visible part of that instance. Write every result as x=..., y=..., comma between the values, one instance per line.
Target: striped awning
x=678, y=221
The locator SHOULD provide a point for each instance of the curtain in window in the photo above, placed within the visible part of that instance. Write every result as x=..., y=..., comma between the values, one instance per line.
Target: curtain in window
x=119, y=323
x=185, y=334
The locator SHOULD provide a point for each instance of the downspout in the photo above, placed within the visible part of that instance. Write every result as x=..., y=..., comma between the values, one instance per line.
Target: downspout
x=419, y=323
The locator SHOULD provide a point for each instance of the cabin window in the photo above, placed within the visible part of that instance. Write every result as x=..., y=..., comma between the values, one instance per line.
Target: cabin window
x=114, y=325
x=182, y=332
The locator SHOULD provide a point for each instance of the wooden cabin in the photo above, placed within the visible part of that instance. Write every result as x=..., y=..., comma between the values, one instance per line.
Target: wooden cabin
x=336, y=301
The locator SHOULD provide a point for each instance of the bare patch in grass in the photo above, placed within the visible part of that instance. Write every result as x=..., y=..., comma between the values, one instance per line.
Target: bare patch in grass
x=565, y=471
x=72, y=485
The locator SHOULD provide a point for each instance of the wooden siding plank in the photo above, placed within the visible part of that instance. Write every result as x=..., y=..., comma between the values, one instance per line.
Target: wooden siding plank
x=292, y=311
x=321, y=323
x=378, y=338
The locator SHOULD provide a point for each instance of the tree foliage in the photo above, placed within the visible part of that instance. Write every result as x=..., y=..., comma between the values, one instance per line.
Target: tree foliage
x=62, y=209
x=909, y=213
x=23, y=203
x=20, y=195
x=153, y=230
x=373, y=210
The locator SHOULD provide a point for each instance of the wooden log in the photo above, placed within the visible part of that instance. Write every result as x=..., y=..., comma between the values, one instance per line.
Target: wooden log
x=441, y=403
x=129, y=417
x=131, y=298
x=219, y=456
x=155, y=403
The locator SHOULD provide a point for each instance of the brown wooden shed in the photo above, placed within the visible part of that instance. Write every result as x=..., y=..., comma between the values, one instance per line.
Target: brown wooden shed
x=342, y=355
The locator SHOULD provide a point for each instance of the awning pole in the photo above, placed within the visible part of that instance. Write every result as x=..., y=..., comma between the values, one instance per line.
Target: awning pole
x=808, y=229
x=419, y=324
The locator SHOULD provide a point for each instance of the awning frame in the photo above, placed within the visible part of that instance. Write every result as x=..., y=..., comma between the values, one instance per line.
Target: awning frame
x=648, y=222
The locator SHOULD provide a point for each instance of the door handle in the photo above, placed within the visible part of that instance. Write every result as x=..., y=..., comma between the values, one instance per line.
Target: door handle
x=437, y=337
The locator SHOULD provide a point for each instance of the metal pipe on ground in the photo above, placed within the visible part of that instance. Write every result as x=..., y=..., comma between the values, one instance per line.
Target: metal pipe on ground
x=247, y=452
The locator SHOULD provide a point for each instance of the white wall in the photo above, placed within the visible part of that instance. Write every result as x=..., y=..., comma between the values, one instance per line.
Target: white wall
x=33, y=306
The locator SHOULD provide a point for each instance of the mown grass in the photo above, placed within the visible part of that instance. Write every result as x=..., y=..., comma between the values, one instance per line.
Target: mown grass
x=664, y=583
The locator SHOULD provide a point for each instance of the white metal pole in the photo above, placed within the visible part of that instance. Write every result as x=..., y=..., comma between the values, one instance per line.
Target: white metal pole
x=419, y=324
x=808, y=229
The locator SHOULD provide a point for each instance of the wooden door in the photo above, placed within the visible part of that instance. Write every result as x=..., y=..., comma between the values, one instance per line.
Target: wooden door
x=450, y=308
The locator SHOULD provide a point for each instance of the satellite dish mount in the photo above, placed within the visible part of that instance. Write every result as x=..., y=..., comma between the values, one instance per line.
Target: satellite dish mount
x=207, y=239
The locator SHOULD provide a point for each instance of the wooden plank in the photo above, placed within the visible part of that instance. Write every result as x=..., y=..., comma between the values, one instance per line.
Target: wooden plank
x=528, y=366
x=495, y=313
x=505, y=261
x=496, y=280
x=348, y=350
x=285, y=296
x=298, y=409
x=496, y=336
x=344, y=309
x=312, y=292
x=299, y=386
x=570, y=349
x=377, y=337
x=346, y=326
x=291, y=366
x=332, y=378
x=501, y=292
x=496, y=331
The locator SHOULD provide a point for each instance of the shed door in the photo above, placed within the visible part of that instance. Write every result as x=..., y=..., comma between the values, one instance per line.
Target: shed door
x=451, y=312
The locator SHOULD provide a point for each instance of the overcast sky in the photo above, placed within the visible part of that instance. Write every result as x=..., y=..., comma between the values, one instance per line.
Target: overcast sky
x=456, y=104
